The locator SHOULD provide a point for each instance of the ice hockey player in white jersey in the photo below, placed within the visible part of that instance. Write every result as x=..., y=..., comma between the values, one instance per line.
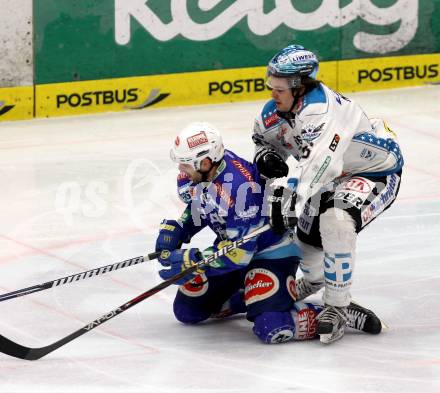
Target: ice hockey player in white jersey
x=348, y=172
x=224, y=192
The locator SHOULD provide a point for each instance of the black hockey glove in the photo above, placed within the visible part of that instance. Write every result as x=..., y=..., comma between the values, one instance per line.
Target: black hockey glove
x=282, y=210
x=270, y=164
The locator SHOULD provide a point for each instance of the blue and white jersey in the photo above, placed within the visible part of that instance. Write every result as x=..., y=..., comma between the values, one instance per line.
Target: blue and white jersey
x=232, y=206
x=330, y=137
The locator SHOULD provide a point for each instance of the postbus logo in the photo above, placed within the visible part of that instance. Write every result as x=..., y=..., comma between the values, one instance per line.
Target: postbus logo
x=5, y=108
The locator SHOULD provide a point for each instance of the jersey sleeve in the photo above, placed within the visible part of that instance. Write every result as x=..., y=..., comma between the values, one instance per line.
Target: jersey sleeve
x=267, y=120
x=184, y=187
x=184, y=191
x=190, y=229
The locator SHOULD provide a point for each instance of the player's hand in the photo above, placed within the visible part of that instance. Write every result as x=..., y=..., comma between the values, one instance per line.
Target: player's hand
x=170, y=236
x=179, y=260
x=270, y=164
x=282, y=208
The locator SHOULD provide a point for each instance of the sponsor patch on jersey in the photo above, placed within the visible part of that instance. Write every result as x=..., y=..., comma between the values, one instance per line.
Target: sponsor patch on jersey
x=243, y=214
x=350, y=198
x=338, y=269
x=259, y=284
x=310, y=132
x=306, y=324
x=245, y=172
x=186, y=215
x=196, y=287
x=367, y=154
x=186, y=192
x=358, y=184
x=382, y=200
x=270, y=118
x=321, y=171
x=354, y=191
x=334, y=143
x=197, y=140
x=305, y=220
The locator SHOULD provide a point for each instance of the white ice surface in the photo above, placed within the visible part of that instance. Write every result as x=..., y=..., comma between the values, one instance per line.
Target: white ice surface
x=78, y=193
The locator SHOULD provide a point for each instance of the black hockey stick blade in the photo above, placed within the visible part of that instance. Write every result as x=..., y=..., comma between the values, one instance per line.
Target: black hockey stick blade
x=19, y=351
x=11, y=348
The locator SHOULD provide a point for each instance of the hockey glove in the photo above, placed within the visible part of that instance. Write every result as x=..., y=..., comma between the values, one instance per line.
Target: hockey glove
x=179, y=260
x=270, y=164
x=170, y=236
x=282, y=208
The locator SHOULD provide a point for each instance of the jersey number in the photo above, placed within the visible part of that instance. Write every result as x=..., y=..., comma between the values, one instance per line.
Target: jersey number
x=305, y=152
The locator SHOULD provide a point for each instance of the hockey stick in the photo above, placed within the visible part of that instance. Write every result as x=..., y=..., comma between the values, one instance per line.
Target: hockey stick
x=19, y=351
x=79, y=276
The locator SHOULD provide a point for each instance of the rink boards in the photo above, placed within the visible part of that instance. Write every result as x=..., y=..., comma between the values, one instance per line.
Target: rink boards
x=206, y=87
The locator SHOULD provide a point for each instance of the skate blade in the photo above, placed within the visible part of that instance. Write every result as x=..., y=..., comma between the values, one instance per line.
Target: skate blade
x=330, y=338
x=385, y=327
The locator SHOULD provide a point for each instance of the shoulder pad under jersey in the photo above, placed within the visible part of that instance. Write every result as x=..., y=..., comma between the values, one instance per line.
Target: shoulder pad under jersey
x=315, y=102
x=269, y=116
x=184, y=187
x=245, y=170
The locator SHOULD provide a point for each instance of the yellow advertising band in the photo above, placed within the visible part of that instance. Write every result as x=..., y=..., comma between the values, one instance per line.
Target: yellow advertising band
x=16, y=103
x=208, y=87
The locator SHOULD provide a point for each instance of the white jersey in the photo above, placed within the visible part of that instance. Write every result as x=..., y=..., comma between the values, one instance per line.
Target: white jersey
x=330, y=136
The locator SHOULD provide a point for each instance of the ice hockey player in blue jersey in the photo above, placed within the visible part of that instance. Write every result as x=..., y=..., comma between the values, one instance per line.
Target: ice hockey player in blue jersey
x=348, y=172
x=224, y=192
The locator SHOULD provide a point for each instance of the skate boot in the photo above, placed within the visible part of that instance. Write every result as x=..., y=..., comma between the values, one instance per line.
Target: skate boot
x=305, y=288
x=360, y=318
x=331, y=323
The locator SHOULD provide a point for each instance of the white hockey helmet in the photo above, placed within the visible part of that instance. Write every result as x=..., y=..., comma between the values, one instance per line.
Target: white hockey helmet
x=196, y=142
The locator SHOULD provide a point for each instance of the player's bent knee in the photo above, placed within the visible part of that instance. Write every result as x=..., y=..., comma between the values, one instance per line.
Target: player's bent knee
x=274, y=327
x=337, y=227
x=189, y=315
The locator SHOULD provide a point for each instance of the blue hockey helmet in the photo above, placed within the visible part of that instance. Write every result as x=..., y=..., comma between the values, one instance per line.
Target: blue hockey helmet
x=292, y=63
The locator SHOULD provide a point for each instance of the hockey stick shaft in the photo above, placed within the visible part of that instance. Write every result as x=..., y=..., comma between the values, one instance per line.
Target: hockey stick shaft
x=19, y=351
x=78, y=276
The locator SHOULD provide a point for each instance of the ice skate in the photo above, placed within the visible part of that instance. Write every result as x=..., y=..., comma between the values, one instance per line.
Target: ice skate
x=331, y=323
x=305, y=288
x=360, y=318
